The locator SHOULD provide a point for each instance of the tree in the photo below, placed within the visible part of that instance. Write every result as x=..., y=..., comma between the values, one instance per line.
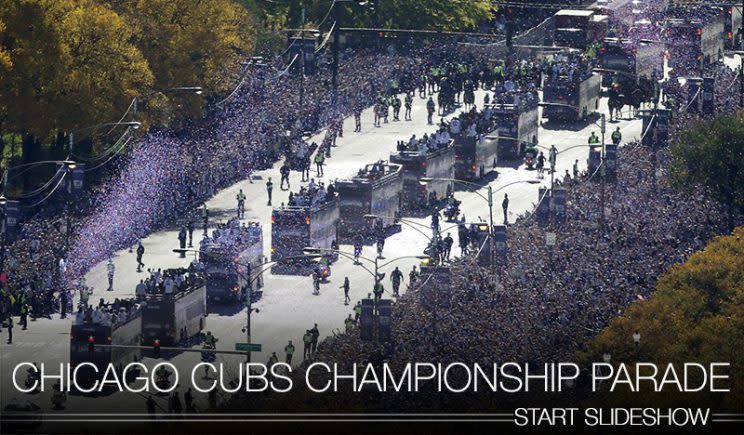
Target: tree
x=189, y=43
x=695, y=315
x=73, y=66
x=711, y=154
x=401, y=14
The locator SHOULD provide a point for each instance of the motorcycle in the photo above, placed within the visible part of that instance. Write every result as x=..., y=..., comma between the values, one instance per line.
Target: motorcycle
x=206, y=355
x=452, y=211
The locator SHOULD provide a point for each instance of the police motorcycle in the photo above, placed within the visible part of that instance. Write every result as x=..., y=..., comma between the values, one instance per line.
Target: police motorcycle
x=530, y=156
x=322, y=270
x=162, y=378
x=33, y=378
x=452, y=209
x=58, y=398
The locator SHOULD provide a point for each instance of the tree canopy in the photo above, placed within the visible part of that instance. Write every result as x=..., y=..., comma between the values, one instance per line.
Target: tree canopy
x=711, y=154
x=401, y=14
x=695, y=315
x=69, y=64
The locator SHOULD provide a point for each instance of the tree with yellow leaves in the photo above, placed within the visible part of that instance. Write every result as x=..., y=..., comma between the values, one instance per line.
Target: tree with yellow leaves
x=695, y=315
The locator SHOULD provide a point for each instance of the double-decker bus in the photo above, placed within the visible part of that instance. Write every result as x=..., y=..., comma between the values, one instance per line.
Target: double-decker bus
x=171, y=317
x=123, y=328
x=374, y=190
x=437, y=164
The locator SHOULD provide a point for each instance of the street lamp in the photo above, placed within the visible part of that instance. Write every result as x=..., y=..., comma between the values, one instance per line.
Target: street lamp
x=313, y=252
x=249, y=285
x=198, y=90
x=488, y=198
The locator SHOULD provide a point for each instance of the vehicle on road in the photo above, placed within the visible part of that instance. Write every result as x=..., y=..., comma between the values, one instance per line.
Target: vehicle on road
x=225, y=257
x=629, y=63
x=516, y=126
x=575, y=98
x=172, y=317
x=124, y=328
x=693, y=43
x=374, y=190
x=293, y=228
x=578, y=28
x=438, y=164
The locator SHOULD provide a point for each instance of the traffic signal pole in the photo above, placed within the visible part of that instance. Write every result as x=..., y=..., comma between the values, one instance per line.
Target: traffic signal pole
x=603, y=128
x=334, y=50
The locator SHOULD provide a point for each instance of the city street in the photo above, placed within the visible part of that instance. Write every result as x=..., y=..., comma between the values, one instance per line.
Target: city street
x=288, y=306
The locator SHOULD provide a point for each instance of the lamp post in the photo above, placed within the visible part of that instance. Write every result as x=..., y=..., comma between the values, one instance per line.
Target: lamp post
x=488, y=198
x=251, y=277
x=198, y=90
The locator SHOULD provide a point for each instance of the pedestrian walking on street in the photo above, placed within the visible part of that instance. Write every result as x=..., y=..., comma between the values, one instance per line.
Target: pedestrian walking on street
x=412, y=276
x=448, y=242
x=140, y=253
x=617, y=136
x=357, y=120
x=110, y=269
x=289, y=350
x=315, y=333
x=396, y=108
x=345, y=286
x=182, y=241
x=576, y=169
x=505, y=207
x=349, y=323
x=307, y=341
x=269, y=189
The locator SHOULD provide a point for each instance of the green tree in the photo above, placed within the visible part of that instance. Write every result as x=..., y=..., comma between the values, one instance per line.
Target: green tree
x=711, y=154
x=696, y=314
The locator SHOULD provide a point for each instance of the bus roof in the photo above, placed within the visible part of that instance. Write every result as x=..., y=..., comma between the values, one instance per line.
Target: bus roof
x=574, y=13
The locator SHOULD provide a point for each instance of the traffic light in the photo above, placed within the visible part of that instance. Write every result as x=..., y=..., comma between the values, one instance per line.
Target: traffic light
x=372, y=5
x=156, y=348
x=91, y=344
x=384, y=315
x=367, y=320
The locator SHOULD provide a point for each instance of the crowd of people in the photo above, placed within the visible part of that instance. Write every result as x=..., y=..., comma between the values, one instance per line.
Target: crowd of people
x=314, y=195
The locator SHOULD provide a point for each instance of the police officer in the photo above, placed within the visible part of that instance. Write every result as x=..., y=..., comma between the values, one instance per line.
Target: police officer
x=593, y=139
x=315, y=334
x=349, y=322
x=190, y=229
x=378, y=290
x=273, y=359
x=210, y=340
x=269, y=188
x=448, y=242
x=182, y=241
x=357, y=310
x=307, y=340
x=240, y=197
x=412, y=276
x=617, y=136
x=289, y=350
x=111, y=268
x=396, y=277
x=396, y=108
x=284, y=172
x=24, y=316
x=319, y=160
